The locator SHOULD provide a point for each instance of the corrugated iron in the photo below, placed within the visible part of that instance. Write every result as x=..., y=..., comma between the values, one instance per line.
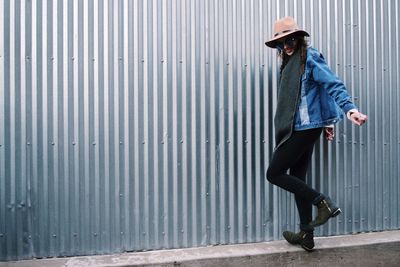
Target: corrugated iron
x=139, y=125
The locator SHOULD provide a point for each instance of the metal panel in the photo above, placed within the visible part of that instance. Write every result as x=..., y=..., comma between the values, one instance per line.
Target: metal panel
x=136, y=125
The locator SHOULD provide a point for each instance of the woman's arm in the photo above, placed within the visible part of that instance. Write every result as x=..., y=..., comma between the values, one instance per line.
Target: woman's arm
x=336, y=89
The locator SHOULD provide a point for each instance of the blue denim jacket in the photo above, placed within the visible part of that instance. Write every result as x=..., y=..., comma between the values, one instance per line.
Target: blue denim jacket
x=323, y=97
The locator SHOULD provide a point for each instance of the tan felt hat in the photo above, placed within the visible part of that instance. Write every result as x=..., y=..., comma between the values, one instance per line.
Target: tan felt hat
x=284, y=27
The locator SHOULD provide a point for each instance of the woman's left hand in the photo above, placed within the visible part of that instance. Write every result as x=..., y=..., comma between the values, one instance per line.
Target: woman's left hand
x=358, y=118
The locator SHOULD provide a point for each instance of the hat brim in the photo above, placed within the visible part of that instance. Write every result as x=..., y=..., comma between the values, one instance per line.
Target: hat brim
x=272, y=43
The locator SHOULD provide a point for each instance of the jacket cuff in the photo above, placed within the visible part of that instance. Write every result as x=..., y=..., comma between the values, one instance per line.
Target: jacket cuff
x=349, y=107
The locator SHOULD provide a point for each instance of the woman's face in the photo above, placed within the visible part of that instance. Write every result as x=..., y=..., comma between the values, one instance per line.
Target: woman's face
x=287, y=45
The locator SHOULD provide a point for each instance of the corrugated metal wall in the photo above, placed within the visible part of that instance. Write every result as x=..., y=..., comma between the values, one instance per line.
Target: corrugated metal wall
x=135, y=125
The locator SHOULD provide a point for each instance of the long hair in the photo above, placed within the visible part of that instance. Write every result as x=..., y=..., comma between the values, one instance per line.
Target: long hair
x=302, y=44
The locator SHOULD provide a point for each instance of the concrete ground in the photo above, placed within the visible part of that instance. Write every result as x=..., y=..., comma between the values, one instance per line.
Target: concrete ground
x=369, y=249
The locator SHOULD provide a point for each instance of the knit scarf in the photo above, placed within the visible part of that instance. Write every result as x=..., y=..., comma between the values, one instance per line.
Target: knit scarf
x=288, y=98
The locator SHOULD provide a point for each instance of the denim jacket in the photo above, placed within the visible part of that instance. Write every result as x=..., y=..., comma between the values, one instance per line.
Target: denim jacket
x=323, y=97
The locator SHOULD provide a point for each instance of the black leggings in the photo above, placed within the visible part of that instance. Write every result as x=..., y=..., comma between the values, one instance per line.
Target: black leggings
x=295, y=154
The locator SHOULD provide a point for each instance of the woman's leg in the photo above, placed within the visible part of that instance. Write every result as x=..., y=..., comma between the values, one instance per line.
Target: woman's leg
x=303, y=206
x=286, y=156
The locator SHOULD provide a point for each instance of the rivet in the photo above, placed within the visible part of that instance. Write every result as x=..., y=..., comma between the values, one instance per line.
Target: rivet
x=228, y=141
x=93, y=59
x=162, y=60
x=28, y=144
x=163, y=233
x=227, y=63
x=181, y=141
x=72, y=58
x=120, y=142
x=1, y=235
x=206, y=141
x=162, y=142
x=182, y=231
x=94, y=143
x=73, y=143
x=95, y=234
x=75, y=234
x=122, y=233
x=142, y=60
x=27, y=57
x=120, y=58
x=144, y=142
x=180, y=61
x=54, y=235
x=52, y=58
x=53, y=143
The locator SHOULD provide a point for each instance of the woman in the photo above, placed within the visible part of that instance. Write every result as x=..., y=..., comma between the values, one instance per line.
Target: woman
x=310, y=97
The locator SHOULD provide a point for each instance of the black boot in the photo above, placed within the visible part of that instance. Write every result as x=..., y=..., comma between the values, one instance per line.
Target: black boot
x=305, y=240
x=326, y=209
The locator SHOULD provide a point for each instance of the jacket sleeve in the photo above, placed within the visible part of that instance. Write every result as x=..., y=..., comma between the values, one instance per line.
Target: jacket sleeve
x=323, y=75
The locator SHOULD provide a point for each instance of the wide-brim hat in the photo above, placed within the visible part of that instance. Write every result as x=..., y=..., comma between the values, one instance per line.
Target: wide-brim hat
x=284, y=27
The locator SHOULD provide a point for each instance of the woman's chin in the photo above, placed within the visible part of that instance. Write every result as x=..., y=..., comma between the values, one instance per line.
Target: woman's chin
x=289, y=52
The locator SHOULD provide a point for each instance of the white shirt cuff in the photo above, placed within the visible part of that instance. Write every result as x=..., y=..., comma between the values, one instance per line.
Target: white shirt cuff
x=351, y=111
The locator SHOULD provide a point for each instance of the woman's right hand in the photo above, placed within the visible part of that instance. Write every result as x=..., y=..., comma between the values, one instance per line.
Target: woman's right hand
x=329, y=133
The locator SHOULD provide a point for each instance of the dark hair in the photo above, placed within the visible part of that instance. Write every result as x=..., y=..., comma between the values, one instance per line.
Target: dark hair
x=302, y=44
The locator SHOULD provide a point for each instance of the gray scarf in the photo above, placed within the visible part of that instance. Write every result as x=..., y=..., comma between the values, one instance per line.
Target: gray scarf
x=288, y=98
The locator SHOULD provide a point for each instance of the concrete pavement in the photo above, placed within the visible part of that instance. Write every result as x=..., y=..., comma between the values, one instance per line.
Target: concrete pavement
x=368, y=249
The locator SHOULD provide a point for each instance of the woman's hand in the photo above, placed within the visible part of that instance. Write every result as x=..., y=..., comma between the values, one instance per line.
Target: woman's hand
x=358, y=118
x=329, y=133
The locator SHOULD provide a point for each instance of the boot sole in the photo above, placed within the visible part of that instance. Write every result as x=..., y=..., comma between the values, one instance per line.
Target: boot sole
x=307, y=249
x=299, y=243
x=336, y=212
